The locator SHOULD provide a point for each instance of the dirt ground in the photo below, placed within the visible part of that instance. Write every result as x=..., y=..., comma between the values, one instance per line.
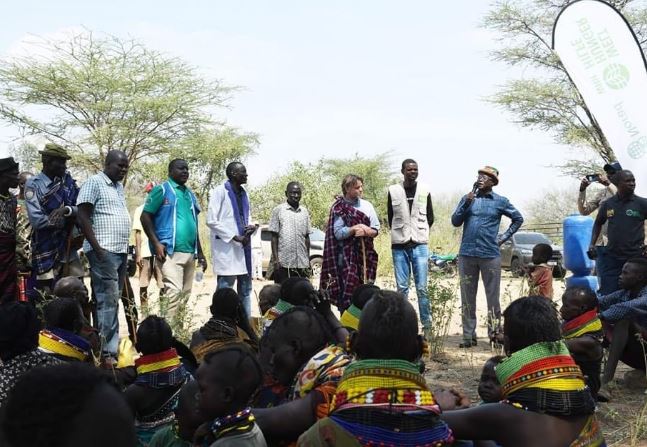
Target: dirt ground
x=623, y=420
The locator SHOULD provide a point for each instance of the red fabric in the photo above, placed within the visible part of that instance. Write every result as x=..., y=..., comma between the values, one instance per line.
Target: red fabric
x=541, y=281
x=342, y=282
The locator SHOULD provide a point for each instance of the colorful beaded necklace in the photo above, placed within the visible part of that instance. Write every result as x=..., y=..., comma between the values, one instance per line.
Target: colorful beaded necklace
x=64, y=343
x=350, y=317
x=383, y=382
x=164, y=361
x=545, y=365
x=586, y=323
x=233, y=424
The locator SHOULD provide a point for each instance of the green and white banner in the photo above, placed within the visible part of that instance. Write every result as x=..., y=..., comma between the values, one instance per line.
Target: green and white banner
x=602, y=56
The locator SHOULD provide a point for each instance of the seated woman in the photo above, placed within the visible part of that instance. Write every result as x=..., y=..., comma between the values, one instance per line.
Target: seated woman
x=295, y=291
x=228, y=324
x=382, y=399
x=305, y=359
x=19, y=351
x=70, y=404
x=364, y=292
x=160, y=376
x=546, y=401
x=582, y=332
x=61, y=336
x=187, y=420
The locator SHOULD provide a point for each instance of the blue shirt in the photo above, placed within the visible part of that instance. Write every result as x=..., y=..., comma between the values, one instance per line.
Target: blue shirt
x=481, y=220
x=342, y=231
x=618, y=306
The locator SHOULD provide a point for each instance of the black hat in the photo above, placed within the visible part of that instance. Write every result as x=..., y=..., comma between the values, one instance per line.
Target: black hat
x=7, y=164
x=612, y=168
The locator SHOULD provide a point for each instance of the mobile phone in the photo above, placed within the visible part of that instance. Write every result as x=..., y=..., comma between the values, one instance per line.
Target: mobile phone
x=593, y=178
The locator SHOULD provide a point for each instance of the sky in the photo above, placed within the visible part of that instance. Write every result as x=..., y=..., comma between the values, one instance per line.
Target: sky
x=335, y=78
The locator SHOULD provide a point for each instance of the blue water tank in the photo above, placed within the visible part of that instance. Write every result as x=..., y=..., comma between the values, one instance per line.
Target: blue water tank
x=583, y=281
x=577, y=237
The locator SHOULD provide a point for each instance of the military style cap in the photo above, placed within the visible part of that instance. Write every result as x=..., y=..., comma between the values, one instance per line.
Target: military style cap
x=7, y=164
x=54, y=150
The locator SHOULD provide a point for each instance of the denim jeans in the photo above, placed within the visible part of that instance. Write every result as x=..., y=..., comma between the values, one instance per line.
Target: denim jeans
x=243, y=287
x=107, y=280
x=469, y=268
x=608, y=269
x=416, y=259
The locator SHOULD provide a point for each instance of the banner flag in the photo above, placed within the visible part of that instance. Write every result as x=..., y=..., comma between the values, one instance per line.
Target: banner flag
x=602, y=56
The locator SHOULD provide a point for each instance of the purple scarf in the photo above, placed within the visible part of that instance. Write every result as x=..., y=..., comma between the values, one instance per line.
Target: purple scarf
x=241, y=220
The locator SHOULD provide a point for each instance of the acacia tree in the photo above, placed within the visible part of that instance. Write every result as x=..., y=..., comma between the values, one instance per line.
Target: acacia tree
x=545, y=98
x=95, y=94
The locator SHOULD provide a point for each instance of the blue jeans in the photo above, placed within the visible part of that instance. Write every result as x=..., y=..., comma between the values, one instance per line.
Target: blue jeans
x=107, y=281
x=608, y=269
x=243, y=287
x=417, y=259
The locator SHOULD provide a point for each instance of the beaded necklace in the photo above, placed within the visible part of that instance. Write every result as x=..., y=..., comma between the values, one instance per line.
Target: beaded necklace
x=278, y=309
x=233, y=424
x=586, y=323
x=387, y=403
x=350, y=317
x=546, y=365
x=383, y=382
x=164, y=361
x=64, y=343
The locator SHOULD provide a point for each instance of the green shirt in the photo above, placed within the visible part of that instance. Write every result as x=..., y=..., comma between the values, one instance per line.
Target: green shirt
x=186, y=227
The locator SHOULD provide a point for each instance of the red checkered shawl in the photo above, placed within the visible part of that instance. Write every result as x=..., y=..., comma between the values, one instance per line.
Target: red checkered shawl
x=358, y=254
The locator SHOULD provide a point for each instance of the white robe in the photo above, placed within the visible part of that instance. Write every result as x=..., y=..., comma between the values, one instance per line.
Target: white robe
x=228, y=256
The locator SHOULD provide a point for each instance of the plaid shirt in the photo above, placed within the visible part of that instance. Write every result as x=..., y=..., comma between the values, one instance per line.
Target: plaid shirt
x=618, y=306
x=110, y=217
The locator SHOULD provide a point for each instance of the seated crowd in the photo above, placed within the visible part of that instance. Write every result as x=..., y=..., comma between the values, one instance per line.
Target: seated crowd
x=312, y=379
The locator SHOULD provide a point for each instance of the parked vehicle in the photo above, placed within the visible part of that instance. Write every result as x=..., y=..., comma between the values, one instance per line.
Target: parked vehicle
x=317, y=239
x=446, y=264
x=516, y=253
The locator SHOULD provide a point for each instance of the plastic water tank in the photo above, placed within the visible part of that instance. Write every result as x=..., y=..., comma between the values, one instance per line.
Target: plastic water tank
x=577, y=236
x=583, y=281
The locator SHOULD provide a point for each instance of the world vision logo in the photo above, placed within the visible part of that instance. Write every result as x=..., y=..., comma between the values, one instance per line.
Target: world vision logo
x=637, y=148
x=633, y=213
x=616, y=76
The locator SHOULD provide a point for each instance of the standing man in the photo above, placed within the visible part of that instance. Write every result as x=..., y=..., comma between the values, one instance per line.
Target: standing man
x=411, y=215
x=51, y=198
x=170, y=220
x=625, y=214
x=480, y=211
x=105, y=221
x=9, y=270
x=587, y=206
x=290, y=227
x=148, y=267
x=228, y=218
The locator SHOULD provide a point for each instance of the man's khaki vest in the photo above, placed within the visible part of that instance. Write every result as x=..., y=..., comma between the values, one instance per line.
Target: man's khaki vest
x=409, y=226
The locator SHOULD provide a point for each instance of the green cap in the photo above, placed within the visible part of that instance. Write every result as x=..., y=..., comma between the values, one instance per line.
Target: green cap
x=54, y=150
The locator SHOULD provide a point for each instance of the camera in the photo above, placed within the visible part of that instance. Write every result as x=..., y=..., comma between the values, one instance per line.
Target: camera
x=593, y=178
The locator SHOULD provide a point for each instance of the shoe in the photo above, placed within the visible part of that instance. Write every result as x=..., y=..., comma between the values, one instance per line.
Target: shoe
x=604, y=395
x=468, y=344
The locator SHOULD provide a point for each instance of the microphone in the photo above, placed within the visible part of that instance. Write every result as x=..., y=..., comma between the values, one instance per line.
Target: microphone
x=475, y=188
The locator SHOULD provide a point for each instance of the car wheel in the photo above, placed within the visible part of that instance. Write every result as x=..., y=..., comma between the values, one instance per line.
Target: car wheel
x=516, y=267
x=315, y=265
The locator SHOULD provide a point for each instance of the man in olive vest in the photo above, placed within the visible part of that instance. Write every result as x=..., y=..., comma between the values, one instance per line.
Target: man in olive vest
x=410, y=216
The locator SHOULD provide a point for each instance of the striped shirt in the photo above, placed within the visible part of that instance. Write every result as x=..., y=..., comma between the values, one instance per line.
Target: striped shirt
x=110, y=218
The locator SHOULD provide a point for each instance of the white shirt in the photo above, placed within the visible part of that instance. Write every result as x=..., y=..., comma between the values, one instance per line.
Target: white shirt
x=228, y=256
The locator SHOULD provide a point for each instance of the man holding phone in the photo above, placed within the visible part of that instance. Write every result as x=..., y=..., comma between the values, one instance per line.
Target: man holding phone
x=587, y=207
x=625, y=214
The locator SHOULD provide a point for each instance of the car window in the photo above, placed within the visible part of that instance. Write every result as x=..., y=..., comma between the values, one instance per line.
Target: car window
x=531, y=239
x=317, y=235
